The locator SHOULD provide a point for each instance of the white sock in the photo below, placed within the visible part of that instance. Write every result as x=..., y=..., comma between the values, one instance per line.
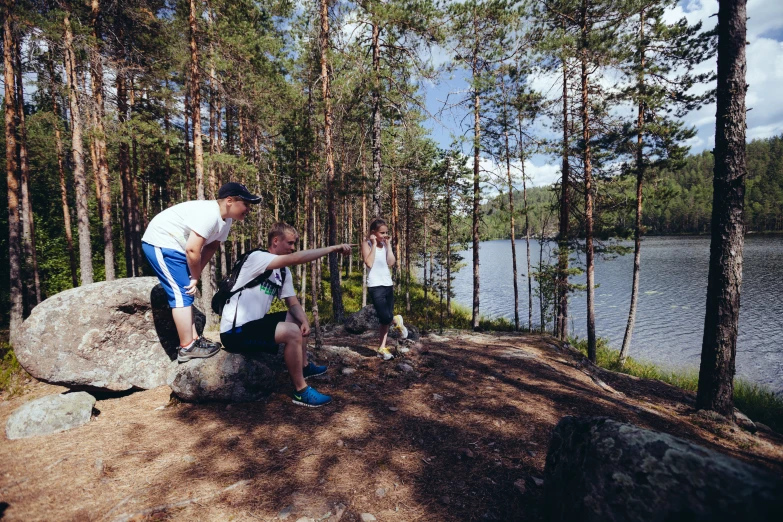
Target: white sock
x=189, y=346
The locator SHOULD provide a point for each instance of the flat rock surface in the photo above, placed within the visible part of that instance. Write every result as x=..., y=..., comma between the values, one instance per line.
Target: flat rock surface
x=112, y=336
x=226, y=376
x=490, y=428
x=50, y=414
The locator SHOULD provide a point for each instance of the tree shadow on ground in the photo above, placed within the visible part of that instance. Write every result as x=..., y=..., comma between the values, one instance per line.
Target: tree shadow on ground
x=449, y=441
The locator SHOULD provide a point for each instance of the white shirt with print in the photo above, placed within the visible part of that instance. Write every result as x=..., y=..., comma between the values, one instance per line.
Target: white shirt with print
x=255, y=301
x=171, y=228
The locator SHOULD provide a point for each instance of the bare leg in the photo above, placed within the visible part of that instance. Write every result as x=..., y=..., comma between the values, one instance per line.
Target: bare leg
x=183, y=320
x=290, y=334
x=291, y=319
x=384, y=332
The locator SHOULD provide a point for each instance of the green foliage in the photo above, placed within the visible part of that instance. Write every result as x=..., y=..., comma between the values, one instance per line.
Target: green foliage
x=755, y=401
x=11, y=372
x=425, y=314
x=676, y=201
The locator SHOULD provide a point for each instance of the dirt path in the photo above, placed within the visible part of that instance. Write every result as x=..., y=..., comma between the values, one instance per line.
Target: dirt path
x=446, y=440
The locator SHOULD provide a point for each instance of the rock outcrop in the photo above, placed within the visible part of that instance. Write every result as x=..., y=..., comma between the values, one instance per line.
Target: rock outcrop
x=227, y=376
x=114, y=335
x=50, y=414
x=598, y=469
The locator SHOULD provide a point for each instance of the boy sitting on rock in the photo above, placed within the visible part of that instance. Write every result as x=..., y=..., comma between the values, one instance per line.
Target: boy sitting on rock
x=247, y=325
x=179, y=242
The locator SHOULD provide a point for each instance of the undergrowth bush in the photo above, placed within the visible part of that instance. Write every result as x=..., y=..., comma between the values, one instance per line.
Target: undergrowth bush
x=425, y=314
x=11, y=372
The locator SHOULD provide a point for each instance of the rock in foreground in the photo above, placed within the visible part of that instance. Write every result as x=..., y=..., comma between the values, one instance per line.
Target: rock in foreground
x=50, y=414
x=227, y=376
x=115, y=335
x=602, y=470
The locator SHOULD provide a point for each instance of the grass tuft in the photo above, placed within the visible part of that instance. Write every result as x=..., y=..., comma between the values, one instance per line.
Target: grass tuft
x=11, y=372
x=757, y=402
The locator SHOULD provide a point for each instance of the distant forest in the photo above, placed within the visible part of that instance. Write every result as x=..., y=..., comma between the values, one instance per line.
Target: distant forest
x=676, y=201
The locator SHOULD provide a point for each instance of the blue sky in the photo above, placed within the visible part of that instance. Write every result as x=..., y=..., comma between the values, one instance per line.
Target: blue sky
x=764, y=75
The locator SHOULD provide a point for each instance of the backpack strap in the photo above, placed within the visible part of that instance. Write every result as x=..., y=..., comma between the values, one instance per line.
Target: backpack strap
x=254, y=282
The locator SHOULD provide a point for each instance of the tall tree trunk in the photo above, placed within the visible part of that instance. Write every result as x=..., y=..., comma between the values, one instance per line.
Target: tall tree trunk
x=527, y=246
x=716, y=373
x=511, y=225
x=565, y=216
x=165, y=184
x=588, y=173
x=314, y=280
x=540, y=291
x=138, y=212
x=376, y=120
x=99, y=138
x=476, y=197
x=16, y=310
x=637, y=253
x=28, y=220
x=448, y=237
x=407, y=247
x=334, y=267
x=424, y=249
x=364, y=225
x=123, y=160
x=305, y=235
x=186, y=121
x=395, y=208
x=61, y=171
x=82, y=206
x=195, y=100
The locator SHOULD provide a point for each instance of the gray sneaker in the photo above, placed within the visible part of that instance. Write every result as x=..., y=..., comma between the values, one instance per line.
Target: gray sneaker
x=200, y=349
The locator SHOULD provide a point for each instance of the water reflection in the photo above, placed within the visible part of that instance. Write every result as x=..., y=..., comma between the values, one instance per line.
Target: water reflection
x=670, y=314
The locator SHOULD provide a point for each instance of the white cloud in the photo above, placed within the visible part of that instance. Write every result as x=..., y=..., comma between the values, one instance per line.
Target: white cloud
x=764, y=68
x=764, y=76
x=537, y=175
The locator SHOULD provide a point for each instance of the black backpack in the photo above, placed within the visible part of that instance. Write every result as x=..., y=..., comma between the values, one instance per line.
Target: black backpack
x=224, y=292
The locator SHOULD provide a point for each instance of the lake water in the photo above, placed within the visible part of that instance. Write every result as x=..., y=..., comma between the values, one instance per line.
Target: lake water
x=672, y=297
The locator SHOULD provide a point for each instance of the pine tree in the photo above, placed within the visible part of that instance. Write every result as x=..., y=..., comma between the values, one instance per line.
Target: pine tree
x=661, y=72
x=719, y=346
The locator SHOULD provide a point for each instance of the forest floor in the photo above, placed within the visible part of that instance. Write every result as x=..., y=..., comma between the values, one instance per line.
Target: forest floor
x=446, y=438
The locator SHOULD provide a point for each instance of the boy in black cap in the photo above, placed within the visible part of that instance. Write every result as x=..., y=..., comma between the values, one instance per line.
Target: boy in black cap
x=179, y=242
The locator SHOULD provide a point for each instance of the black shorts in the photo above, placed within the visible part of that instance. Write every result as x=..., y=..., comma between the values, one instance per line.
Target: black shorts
x=255, y=336
x=382, y=298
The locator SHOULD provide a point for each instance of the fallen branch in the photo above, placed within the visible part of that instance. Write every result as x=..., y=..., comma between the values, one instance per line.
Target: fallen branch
x=165, y=507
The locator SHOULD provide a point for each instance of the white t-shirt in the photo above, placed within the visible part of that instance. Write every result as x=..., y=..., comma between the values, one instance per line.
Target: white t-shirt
x=379, y=274
x=171, y=228
x=256, y=300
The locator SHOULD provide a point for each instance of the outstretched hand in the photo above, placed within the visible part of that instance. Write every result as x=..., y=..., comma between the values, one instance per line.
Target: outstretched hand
x=343, y=249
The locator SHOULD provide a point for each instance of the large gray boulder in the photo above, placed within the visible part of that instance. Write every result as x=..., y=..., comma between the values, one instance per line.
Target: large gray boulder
x=362, y=321
x=602, y=470
x=50, y=414
x=367, y=320
x=115, y=335
x=226, y=376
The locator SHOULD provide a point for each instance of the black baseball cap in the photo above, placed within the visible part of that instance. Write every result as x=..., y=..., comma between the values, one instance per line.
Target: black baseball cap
x=238, y=190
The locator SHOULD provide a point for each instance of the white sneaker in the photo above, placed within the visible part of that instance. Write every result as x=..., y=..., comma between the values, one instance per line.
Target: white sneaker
x=400, y=327
x=385, y=354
